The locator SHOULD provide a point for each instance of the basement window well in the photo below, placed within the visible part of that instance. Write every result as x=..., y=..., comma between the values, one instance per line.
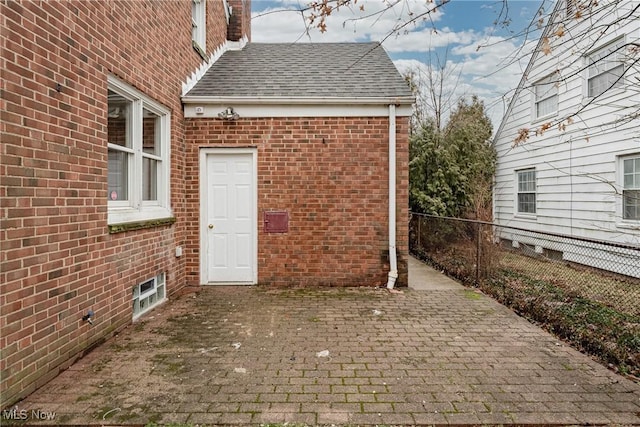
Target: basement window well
x=148, y=295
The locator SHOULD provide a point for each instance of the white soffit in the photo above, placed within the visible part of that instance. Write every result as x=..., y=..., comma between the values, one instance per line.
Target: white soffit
x=345, y=108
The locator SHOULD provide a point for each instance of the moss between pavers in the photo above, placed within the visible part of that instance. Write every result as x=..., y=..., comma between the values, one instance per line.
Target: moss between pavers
x=592, y=327
x=283, y=425
x=611, y=335
x=155, y=424
x=472, y=295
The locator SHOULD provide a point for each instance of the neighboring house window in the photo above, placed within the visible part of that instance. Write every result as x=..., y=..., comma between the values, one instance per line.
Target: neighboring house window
x=199, y=24
x=546, y=97
x=138, y=130
x=148, y=294
x=526, y=201
x=631, y=188
x=605, y=69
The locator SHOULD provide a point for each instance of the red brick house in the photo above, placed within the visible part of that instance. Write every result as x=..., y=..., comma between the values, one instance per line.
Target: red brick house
x=147, y=147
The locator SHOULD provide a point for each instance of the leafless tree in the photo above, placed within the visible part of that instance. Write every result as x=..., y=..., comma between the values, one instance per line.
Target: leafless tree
x=578, y=27
x=434, y=87
x=572, y=29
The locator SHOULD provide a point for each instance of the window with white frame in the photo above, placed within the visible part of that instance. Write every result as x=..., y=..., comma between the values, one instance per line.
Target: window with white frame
x=631, y=188
x=605, y=68
x=148, y=294
x=138, y=134
x=526, y=197
x=546, y=96
x=199, y=24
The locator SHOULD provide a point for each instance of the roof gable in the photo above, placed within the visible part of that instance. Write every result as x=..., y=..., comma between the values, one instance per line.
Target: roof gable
x=523, y=79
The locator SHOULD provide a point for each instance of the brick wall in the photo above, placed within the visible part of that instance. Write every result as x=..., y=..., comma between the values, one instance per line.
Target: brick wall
x=331, y=175
x=240, y=20
x=58, y=259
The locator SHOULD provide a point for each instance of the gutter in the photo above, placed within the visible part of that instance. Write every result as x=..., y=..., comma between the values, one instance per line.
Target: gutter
x=393, y=257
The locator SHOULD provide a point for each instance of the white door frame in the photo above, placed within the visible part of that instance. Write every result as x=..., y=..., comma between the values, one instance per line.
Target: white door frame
x=204, y=153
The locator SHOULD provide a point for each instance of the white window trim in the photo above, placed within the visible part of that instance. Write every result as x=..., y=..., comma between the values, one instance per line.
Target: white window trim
x=621, y=222
x=535, y=100
x=517, y=213
x=135, y=209
x=199, y=23
x=609, y=92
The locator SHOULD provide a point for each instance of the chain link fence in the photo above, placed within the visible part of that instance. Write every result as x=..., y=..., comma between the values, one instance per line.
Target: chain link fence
x=585, y=291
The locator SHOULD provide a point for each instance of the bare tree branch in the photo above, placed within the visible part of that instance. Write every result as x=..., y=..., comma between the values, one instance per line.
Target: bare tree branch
x=579, y=28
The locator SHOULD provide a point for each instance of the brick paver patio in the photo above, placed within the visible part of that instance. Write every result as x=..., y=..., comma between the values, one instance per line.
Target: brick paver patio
x=248, y=355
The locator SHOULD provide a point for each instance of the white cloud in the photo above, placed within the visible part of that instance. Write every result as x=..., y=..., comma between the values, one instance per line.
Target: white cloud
x=491, y=72
x=286, y=24
x=427, y=39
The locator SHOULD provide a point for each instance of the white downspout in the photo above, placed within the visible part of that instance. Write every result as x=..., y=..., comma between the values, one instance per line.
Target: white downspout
x=393, y=259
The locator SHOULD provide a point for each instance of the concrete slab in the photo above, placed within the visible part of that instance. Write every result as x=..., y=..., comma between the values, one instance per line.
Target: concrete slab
x=423, y=277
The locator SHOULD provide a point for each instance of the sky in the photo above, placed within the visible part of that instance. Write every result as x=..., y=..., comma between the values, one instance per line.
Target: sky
x=485, y=59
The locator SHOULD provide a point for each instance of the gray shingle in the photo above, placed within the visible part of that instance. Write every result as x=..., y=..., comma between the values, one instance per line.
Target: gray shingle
x=304, y=70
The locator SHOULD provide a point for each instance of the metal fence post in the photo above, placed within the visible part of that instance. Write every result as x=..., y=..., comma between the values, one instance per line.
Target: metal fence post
x=478, y=231
x=420, y=232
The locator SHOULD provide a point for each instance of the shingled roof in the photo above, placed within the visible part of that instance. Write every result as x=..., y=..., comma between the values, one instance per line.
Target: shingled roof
x=303, y=70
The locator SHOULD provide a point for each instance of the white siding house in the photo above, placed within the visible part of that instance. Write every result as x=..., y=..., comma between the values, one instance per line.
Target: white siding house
x=577, y=171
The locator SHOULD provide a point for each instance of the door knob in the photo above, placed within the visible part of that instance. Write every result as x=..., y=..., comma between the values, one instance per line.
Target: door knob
x=210, y=226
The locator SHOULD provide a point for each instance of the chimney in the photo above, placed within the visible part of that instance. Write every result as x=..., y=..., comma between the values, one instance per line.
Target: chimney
x=240, y=20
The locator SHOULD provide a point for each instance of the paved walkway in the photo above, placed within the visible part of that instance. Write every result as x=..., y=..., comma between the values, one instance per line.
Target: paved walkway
x=424, y=278
x=248, y=355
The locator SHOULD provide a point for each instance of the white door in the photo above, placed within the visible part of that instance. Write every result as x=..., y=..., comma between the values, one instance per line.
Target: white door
x=228, y=217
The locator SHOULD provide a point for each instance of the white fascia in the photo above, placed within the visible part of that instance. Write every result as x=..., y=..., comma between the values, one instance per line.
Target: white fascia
x=215, y=55
x=253, y=107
